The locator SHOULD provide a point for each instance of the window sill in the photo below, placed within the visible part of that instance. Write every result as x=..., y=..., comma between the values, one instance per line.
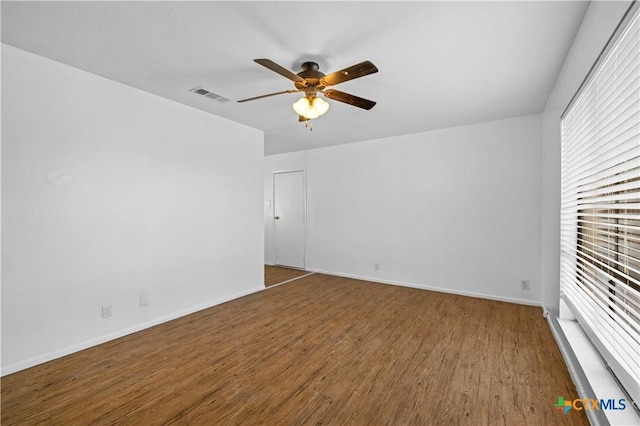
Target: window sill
x=597, y=375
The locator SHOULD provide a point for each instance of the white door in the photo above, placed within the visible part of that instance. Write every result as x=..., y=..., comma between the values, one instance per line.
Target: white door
x=289, y=219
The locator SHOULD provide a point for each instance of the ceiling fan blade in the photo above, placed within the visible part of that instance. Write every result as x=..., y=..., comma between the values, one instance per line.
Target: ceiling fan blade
x=270, y=94
x=354, y=71
x=268, y=63
x=336, y=95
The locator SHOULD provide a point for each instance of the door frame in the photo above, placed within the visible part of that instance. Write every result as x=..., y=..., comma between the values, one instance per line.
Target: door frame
x=273, y=214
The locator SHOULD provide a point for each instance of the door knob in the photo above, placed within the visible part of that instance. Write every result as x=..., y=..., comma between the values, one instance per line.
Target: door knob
x=277, y=217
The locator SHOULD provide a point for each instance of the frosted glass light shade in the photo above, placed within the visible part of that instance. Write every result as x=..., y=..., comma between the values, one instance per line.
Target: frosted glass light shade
x=310, y=108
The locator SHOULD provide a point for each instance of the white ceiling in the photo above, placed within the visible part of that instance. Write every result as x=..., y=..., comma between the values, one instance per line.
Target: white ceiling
x=441, y=64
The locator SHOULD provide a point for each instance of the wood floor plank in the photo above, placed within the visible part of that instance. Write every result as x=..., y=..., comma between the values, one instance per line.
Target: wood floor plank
x=318, y=350
x=277, y=274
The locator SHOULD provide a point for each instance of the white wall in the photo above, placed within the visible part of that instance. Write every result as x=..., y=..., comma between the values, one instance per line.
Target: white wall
x=108, y=192
x=597, y=26
x=455, y=209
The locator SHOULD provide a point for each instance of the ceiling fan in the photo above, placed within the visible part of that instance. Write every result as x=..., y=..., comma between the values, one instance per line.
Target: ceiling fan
x=312, y=82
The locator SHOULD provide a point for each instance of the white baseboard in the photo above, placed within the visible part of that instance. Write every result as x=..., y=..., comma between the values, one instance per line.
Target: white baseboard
x=430, y=288
x=31, y=362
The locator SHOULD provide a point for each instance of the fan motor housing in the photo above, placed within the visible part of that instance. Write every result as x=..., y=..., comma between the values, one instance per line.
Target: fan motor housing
x=310, y=73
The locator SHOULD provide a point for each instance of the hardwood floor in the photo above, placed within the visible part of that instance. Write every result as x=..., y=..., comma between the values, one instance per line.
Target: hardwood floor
x=318, y=350
x=276, y=274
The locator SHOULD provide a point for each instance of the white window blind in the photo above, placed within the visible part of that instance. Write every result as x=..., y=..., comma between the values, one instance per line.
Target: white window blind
x=600, y=217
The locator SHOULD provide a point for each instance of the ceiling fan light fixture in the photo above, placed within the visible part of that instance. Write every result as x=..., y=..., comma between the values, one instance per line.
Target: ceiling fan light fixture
x=310, y=108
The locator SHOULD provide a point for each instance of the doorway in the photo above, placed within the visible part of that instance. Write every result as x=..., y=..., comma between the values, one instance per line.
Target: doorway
x=289, y=224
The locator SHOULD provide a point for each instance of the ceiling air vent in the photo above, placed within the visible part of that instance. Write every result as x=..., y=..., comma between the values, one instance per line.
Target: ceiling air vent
x=208, y=94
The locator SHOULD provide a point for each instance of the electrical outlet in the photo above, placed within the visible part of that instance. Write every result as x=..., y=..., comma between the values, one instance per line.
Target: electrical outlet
x=525, y=285
x=144, y=299
x=106, y=311
x=376, y=266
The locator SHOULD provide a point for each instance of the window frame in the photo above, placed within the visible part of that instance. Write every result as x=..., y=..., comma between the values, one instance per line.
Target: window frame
x=587, y=222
